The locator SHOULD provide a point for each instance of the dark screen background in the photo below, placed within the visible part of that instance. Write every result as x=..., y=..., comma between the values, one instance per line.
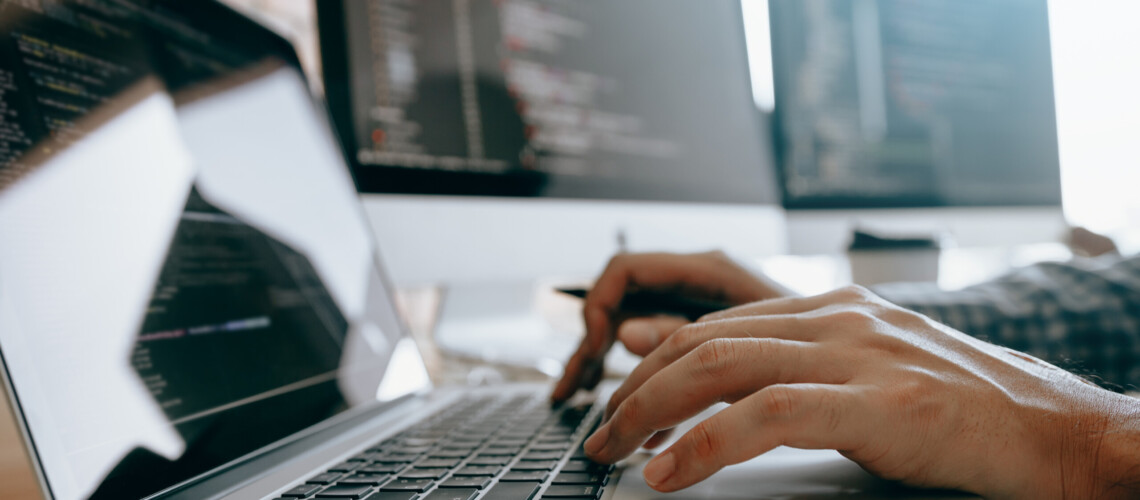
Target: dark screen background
x=630, y=100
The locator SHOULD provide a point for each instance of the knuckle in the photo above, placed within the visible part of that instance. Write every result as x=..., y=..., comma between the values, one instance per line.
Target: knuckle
x=778, y=402
x=716, y=315
x=630, y=416
x=703, y=442
x=855, y=293
x=715, y=254
x=854, y=316
x=615, y=402
x=715, y=358
x=902, y=317
x=681, y=340
x=619, y=260
x=830, y=411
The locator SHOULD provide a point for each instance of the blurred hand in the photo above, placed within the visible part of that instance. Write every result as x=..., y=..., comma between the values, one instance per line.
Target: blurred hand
x=711, y=276
x=903, y=396
x=1086, y=243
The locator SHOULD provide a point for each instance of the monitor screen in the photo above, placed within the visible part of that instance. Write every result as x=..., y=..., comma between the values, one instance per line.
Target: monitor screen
x=893, y=103
x=186, y=275
x=629, y=100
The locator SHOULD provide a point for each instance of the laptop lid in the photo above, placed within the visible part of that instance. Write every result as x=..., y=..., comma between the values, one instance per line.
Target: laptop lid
x=185, y=273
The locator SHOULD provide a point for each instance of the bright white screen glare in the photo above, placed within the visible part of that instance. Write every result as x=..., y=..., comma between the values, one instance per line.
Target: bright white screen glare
x=1096, y=75
x=757, y=34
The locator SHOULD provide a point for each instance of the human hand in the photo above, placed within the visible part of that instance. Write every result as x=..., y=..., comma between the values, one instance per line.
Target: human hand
x=905, y=397
x=711, y=275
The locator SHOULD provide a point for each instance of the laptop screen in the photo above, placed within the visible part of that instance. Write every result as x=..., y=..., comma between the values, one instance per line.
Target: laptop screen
x=185, y=273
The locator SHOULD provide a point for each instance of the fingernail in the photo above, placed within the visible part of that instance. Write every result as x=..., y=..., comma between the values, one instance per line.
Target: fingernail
x=659, y=469
x=598, y=440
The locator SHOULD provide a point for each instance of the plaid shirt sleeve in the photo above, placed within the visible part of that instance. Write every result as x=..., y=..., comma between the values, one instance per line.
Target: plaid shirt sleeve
x=1082, y=315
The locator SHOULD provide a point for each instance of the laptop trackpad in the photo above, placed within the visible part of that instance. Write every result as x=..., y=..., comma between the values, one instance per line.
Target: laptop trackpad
x=785, y=474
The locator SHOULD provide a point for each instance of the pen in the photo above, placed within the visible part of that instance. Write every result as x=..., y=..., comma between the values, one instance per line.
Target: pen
x=650, y=302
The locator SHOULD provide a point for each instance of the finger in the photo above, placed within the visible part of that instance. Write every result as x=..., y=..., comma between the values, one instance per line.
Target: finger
x=688, y=338
x=786, y=305
x=581, y=372
x=642, y=335
x=801, y=415
x=624, y=272
x=571, y=378
x=718, y=370
x=644, y=271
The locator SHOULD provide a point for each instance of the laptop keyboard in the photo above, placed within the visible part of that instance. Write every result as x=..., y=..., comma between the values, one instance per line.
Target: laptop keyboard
x=480, y=448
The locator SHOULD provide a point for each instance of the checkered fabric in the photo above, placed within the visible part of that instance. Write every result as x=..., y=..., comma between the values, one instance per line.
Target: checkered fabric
x=1082, y=315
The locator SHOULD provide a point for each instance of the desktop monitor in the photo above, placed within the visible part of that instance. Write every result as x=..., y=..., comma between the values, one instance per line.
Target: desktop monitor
x=912, y=108
x=499, y=141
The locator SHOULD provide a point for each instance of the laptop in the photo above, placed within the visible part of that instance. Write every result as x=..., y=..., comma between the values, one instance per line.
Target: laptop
x=192, y=306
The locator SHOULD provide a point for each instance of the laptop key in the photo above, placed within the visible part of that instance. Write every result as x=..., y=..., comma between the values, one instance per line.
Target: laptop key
x=512, y=491
x=419, y=485
x=489, y=460
x=546, y=465
x=418, y=442
x=580, y=478
x=346, y=467
x=433, y=463
x=302, y=491
x=391, y=495
x=463, y=442
x=381, y=469
x=478, y=470
x=550, y=446
x=452, y=494
x=369, y=479
x=538, y=456
x=345, y=491
x=569, y=491
x=462, y=445
x=424, y=473
x=509, y=442
x=460, y=453
x=524, y=475
x=476, y=482
x=397, y=458
x=326, y=478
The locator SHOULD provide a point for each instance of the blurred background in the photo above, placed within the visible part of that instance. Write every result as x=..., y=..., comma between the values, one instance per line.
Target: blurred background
x=504, y=146
x=1097, y=104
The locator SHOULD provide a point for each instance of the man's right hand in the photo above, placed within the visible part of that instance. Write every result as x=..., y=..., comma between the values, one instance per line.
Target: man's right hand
x=710, y=275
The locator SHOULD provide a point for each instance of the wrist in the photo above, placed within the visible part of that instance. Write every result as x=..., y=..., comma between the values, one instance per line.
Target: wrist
x=1087, y=446
x=1115, y=456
